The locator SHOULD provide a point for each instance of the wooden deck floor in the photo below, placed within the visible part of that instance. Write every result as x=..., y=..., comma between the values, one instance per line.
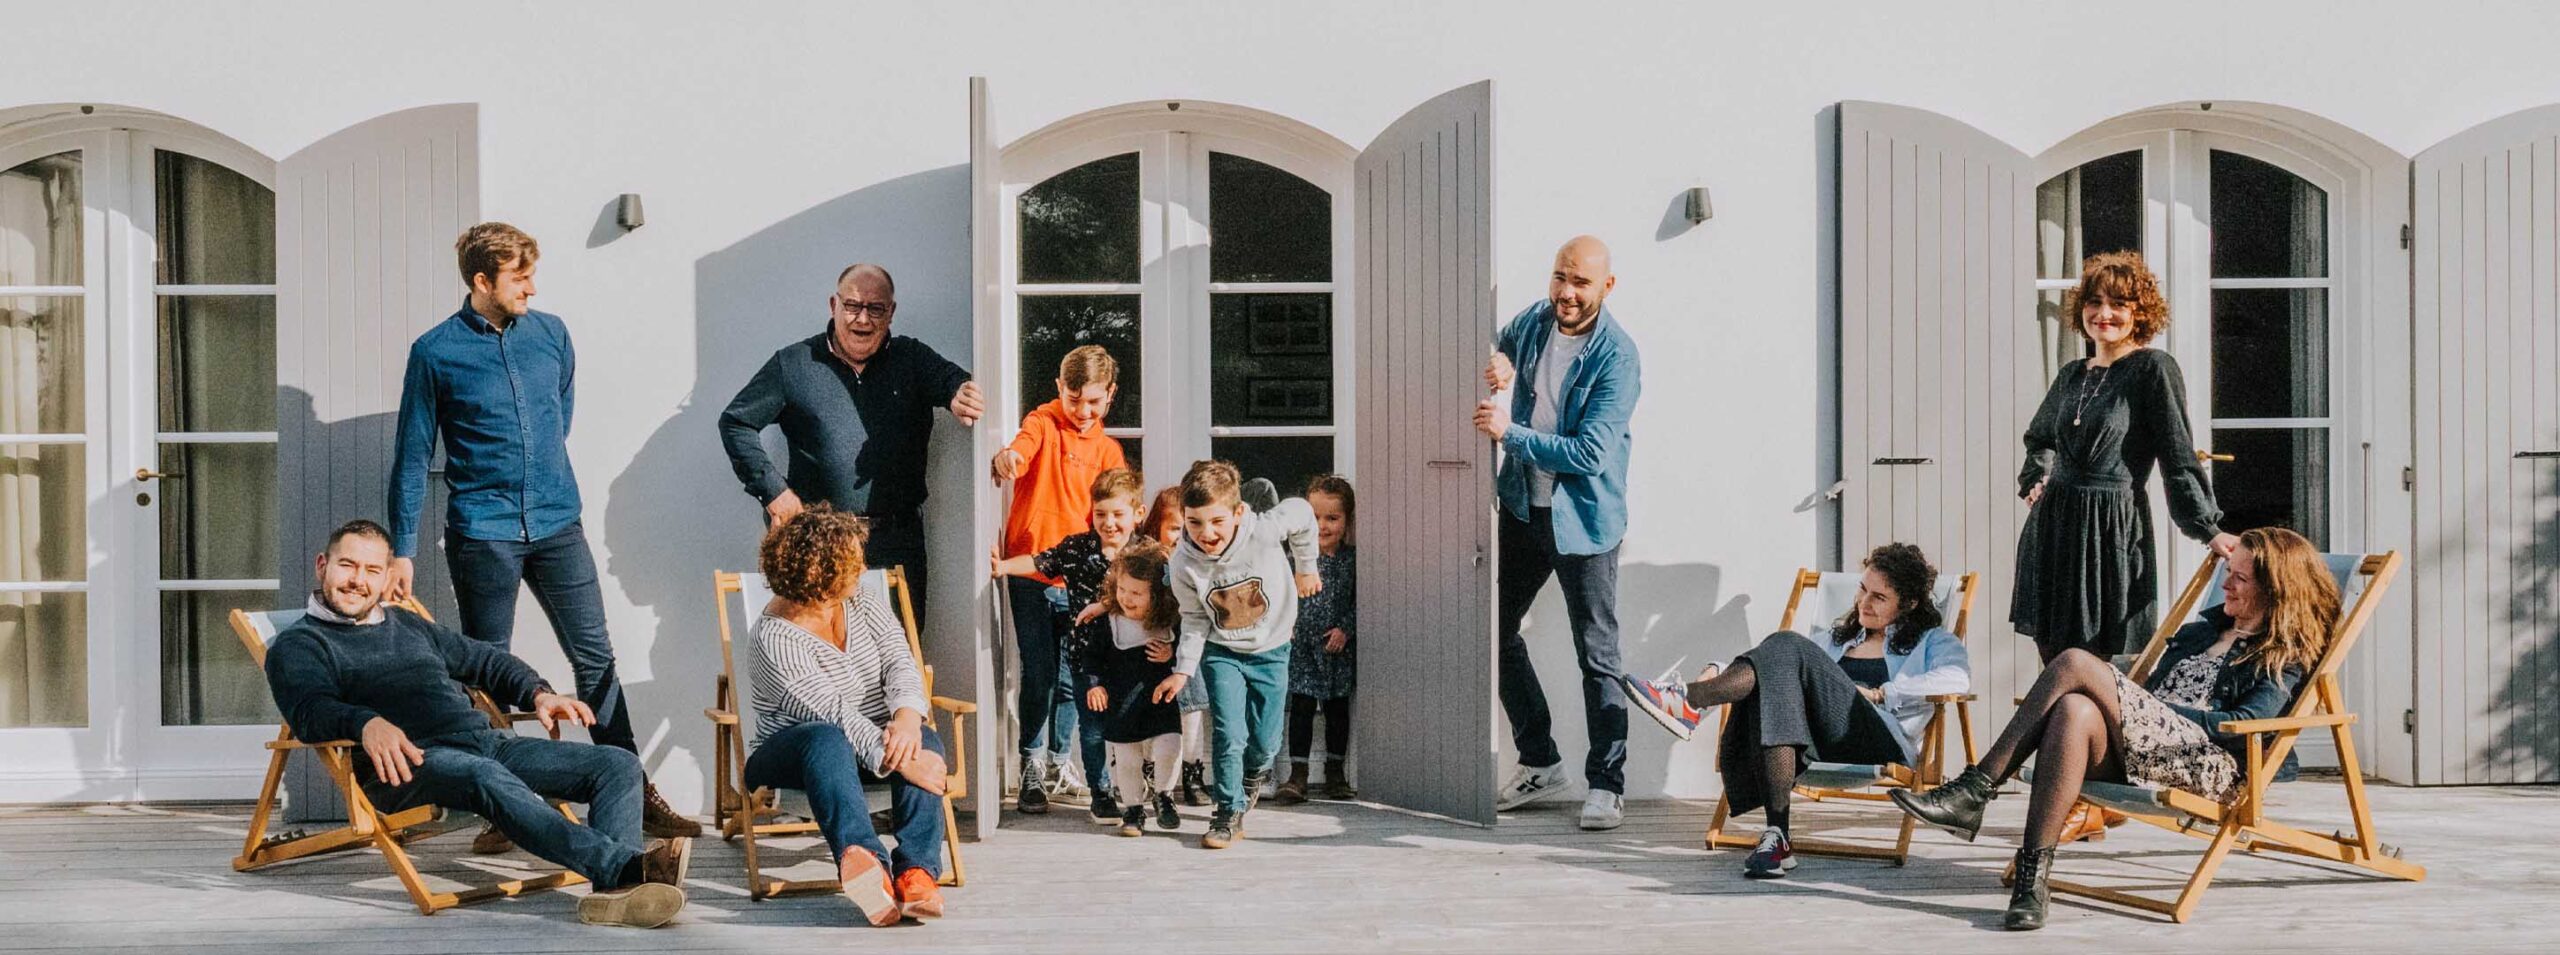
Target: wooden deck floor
x=1331, y=879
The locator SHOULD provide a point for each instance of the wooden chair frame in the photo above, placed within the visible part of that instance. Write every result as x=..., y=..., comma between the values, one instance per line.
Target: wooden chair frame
x=2243, y=824
x=367, y=825
x=1932, y=757
x=737, y=806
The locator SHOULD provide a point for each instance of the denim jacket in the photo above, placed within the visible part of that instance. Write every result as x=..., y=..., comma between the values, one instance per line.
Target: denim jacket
x=2240, y=692
x=500, y=402
x=1588, y=451
x=1937, y=665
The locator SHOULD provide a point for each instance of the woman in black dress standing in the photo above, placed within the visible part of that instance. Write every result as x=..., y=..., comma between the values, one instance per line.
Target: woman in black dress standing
x=2088, y=574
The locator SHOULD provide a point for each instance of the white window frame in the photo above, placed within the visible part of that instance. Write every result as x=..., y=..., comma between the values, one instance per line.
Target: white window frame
x=1173, y=146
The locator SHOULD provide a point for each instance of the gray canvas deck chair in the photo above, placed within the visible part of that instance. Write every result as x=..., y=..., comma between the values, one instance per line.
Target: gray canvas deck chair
x=1831, y=595
x=391, y=833
x=739, y=809
x=2363, y=579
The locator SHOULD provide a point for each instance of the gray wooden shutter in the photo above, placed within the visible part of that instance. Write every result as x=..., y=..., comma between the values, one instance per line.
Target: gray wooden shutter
x=986, y=203
x=1423, y=201
x=2485, y=362
x=1938, y=357
x=365, y=223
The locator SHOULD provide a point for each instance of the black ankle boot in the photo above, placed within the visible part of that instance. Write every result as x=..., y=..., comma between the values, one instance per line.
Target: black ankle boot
x=2030, y=888
x=1955, y=805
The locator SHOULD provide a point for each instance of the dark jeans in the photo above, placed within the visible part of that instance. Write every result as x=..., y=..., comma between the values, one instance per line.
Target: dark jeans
x=1045, y=703
x=1302, y=726
x=562, y=573
x=510, y=780
x=897, y=540
x=1590, y=584
x=816, y=759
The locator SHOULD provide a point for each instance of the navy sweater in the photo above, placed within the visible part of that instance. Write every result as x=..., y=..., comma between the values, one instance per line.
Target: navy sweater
x=330, y=679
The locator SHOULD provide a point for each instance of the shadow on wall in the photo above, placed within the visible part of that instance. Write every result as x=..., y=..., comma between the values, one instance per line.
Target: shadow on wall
x=1667, y=614
x=2527, y=741
x=676, y=513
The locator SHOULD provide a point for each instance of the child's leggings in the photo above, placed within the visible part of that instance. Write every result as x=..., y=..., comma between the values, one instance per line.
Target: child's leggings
x=1129, y=767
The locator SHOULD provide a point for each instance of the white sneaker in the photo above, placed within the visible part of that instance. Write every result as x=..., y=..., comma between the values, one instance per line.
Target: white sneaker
x=1530, y=784
x=1603, y=810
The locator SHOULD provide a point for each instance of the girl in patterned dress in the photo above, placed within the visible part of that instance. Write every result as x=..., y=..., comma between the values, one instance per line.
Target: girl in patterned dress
x=1321, y=668
x=2085, y=720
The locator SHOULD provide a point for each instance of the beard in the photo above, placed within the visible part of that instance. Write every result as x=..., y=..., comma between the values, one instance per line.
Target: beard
x=349, y=605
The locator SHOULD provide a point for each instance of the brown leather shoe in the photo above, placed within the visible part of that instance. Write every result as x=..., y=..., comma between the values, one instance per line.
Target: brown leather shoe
x=666, y=862
x=1294, y=790
x=661, y=821
x=490, y=842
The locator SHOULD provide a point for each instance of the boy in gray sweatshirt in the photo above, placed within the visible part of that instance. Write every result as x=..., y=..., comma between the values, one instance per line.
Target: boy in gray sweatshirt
x=1236, y=574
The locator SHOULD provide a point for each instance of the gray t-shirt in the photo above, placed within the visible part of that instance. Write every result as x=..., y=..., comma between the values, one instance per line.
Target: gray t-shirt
x=1548, y=387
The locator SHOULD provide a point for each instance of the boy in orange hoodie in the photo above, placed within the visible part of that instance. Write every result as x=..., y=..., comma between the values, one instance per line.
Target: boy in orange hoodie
x=1052, y=464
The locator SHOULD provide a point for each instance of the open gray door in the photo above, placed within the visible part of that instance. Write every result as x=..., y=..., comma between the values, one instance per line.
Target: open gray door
x=1938, y=358
x=2485, y=372
x=365, y=223
x=1423, y=240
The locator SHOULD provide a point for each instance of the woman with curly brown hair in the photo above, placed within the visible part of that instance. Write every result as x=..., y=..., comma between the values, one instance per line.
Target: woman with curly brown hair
x=2088, y=571
x=839, y=703
x=2084, y=719
x=1857, y=693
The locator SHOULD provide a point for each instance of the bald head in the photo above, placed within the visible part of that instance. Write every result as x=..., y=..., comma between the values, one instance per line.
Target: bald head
x=860, y=310
x=1580, y=282
x=874, y=279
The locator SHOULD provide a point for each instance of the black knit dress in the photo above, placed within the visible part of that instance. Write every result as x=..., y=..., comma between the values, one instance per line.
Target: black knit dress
x=2088, y=573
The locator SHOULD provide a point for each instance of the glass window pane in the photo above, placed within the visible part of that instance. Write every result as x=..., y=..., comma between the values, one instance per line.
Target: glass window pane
x=2277, y=477
x=1081, y=225
x=2271, y=353
x=206, y=678
x=2094, y=209
x=1271, y=359
x=44, y=660
x=1288, y=462
x=43, y=366
x=217, y=227
x=40, y=222
x=1053, y=325
x=2267, y=223
x=1266, y=225
x=218, y=515
x=44, y=527
x=217, y=363
x=2058, y=340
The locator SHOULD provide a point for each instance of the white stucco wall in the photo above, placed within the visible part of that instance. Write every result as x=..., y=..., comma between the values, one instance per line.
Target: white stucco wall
x=775, y=142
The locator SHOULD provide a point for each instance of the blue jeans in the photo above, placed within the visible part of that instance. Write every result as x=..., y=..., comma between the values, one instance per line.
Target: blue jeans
x=816, y=759
x=1248, y=717
x=1046, y=701
x=1590, y=583
x=486, y=579
x=510, y=780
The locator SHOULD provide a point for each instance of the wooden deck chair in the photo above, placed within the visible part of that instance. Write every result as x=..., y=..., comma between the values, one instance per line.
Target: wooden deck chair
x=739, y=808
x=2243, y=824
x=1833, y=594
x=366, y=825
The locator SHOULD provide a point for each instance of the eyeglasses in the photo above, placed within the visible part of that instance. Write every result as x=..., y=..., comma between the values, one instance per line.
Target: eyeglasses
x=877, y=311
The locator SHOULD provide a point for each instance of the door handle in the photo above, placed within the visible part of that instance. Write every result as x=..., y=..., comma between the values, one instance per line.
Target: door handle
x=2203, y=456
x=1900, y=462
x=1447, y=465
x=147, y=474
x=2527, y=455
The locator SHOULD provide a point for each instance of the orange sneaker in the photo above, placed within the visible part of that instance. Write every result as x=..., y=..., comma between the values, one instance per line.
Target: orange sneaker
x=919, y=894
x=867, y=884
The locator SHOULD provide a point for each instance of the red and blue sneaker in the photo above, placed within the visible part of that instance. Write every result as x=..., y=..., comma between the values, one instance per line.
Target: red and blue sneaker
x=1666, y=700
x=1772, y=857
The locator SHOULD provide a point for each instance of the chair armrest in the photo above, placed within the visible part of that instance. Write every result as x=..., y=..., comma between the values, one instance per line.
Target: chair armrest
x=720, y=716
x=949, y=705
x=2018, y=701
x=1950, y=698
x=298, y=744
x=2281, y=723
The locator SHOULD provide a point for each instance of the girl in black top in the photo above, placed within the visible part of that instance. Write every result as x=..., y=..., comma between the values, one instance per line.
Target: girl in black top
x=2087, y=568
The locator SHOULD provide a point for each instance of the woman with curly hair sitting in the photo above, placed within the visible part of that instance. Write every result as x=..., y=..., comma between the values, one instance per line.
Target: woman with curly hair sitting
x=1858, y=692
x=841, y=704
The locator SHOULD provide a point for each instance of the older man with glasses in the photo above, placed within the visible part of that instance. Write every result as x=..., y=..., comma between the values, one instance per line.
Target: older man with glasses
x=856, y=408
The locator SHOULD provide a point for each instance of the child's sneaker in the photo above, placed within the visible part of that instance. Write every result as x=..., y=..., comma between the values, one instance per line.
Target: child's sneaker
x=1134, y=822
x=1035, y=795
x=1195, y=784
x=1106, y=810
x=1772, y=857
x=1253, y=786
x=1667, y=701
x=1530, y=784
x=1167, y=818
x=1222, y=829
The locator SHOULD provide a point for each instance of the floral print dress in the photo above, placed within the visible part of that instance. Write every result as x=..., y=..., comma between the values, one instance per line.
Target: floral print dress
x=2161, y=746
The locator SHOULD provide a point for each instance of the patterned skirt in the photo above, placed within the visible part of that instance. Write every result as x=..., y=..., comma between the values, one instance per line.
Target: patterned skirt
x=2163, y=747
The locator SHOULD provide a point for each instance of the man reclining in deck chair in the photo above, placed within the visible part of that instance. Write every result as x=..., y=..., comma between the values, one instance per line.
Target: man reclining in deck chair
x=354, y=669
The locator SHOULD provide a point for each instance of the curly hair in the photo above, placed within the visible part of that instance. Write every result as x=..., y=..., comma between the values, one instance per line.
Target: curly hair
x=1907, y=571
x=2300, y=596
x=2119, y=277
x=1145, y=560
x=815, y=556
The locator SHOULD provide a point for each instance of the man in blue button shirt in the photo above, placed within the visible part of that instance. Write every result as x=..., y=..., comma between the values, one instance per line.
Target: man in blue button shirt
x=495, y=381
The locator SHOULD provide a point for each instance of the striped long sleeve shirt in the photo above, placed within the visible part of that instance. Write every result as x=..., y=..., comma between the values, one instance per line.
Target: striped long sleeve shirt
x=799, y=677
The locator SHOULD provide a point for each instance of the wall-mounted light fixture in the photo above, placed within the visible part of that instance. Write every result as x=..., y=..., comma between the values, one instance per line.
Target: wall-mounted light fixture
x=626, y=211
x=1696, y=205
